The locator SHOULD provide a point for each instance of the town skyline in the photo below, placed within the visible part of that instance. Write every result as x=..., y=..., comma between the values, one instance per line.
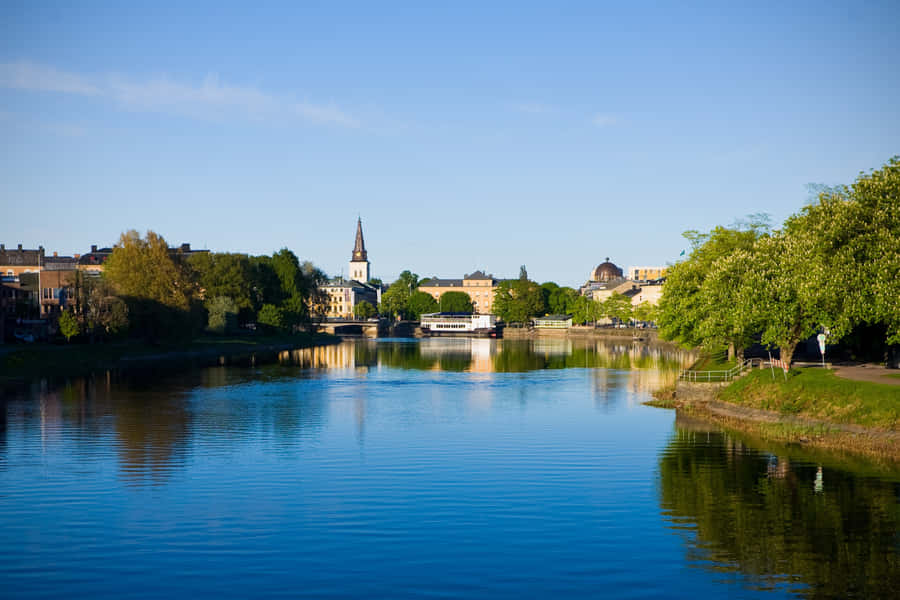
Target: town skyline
x=466, y=137
x=342, y=273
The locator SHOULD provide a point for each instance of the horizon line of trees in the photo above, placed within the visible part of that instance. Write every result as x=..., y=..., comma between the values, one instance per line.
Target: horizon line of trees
x=515, y=301
x=833, y=267
x=146, y=291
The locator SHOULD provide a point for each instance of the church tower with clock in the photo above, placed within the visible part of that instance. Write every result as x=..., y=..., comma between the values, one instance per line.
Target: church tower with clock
x=359, y=261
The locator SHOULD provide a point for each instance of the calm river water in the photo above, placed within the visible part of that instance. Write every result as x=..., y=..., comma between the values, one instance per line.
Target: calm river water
x=442, y=468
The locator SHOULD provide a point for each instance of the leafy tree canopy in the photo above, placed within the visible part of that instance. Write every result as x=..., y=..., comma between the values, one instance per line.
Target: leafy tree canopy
x=421, y=303
x=222, y=315
x=143, y=268
x=617, y=306
x=395, y=300
x=69, y=325
x=456, y=302
x=518, y=300
x=835, y=265
x=364, y=310
x=272, y=317
x=226, y=275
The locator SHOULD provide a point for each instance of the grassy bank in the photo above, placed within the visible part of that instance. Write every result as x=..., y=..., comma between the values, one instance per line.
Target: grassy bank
x=718, y=362
x=48, y=360
x=818, y=394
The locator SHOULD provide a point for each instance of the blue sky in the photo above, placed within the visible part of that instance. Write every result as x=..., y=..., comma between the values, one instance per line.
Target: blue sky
x=466, y=136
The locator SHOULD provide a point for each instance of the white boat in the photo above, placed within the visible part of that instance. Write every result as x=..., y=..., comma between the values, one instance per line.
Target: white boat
x=463, y=324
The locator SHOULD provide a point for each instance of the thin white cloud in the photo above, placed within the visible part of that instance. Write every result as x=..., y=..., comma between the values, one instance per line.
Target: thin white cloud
x=324, y=114
x=24, y=75
x=209, y=98
x=604, y=120
x=534, y=108
x=163, y=94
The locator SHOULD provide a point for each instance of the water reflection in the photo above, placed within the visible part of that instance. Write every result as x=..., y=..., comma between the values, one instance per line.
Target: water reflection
x=495, y=356
x=155, y=413
x=651, y=366
x=384, y=456
x=781, y=516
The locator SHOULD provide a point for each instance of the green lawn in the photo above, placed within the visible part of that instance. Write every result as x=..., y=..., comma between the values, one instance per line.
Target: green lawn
x=819, y=394
x=713, y=362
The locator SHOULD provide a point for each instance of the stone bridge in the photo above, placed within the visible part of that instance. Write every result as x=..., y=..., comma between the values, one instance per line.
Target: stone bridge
x=364, y=328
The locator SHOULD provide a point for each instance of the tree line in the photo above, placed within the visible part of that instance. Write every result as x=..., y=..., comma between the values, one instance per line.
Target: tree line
x=150, y=291
x=833, y=267
x=515, y=301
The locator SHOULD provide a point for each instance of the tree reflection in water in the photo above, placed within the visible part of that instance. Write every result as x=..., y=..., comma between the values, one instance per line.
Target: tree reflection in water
x=830, y=534
x=485, y=355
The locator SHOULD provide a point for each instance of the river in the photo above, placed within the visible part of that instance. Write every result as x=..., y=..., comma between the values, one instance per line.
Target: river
x=436, y=468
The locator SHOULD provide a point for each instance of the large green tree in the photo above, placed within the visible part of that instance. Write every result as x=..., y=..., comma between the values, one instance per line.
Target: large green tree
x=272, y=317
x=685, y=305
x=225, y=275
x=834, y=265
x=161, y=296
x=645, y=312
x=583, y=309
x=395, y=300
x=518, y=300
x=617, y=306
x=456, y=302
x=854, y=233
x=731, y=282
x=105, y=315
x=559, y=300
x=143, y=268
x=364, y=310
x=420, y=303
x=222, y=315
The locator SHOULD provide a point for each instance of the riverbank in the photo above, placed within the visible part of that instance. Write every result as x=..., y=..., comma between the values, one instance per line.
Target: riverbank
x=581, y=332
x=811, y=407
x=856, y=462
x=34, y=361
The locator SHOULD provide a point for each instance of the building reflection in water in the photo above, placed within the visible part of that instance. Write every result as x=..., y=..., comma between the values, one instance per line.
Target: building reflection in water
x=654, y=364
x=649, y=366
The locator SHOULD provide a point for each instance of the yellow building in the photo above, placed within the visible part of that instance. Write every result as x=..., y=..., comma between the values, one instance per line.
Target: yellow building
x=646, y=273
x=343, y=296
x=478, y=286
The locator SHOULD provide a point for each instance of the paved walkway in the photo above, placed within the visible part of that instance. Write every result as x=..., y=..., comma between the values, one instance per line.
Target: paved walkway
x=868, y=372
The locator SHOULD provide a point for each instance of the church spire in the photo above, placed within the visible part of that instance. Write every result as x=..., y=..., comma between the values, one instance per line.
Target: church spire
x=359, y=247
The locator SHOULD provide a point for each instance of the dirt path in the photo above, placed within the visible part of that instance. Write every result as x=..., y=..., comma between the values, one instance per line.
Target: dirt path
x=868, y=372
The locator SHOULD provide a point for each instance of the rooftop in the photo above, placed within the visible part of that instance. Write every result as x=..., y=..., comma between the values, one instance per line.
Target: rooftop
x=436, y=282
